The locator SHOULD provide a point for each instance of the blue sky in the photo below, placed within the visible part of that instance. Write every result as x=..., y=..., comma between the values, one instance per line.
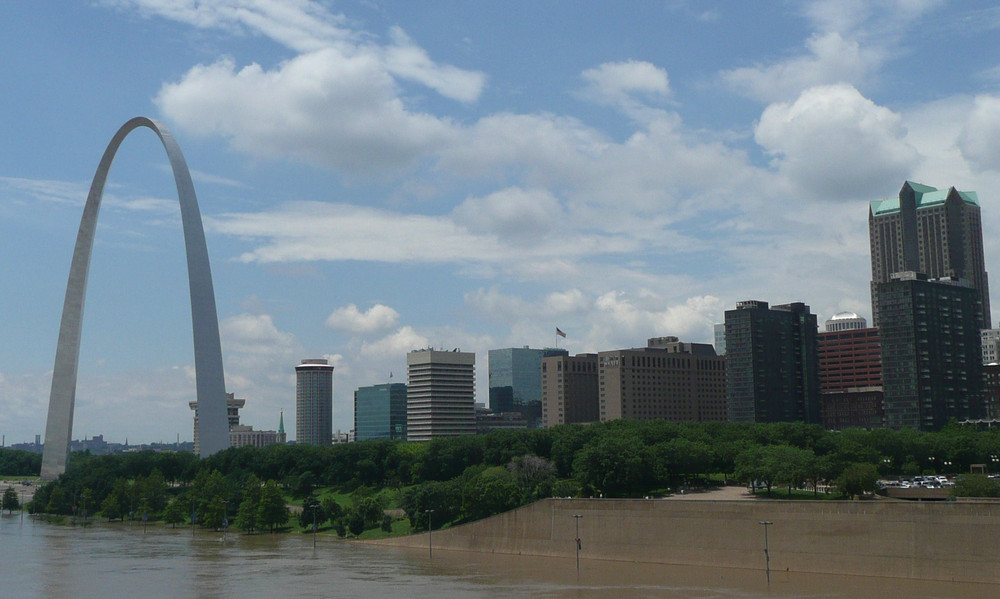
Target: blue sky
x=377, y=177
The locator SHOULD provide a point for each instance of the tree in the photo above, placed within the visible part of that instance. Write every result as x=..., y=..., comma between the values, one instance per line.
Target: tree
x=858, y=479
x=272, y=511
x=58, y=503
x=613, y=464
x=534, y=474
x=441, y=497
x=355, y=521
x=976, y=485
x=312, y=515
x=490, y=492
x=153, y=489
x=331, y=509
x=10, y=502
x=176, y=512
x=371, y=510
x=111, y=508
x=247, y=514
x=215, y=514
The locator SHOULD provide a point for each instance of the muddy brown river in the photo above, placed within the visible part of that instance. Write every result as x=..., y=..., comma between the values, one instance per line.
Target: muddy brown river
x=39, y=560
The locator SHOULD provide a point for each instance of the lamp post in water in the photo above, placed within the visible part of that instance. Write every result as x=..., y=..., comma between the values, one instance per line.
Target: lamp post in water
x=430, y=533
x=577, y=517
x=225, y=519
x=314, y=506
x=767, y=555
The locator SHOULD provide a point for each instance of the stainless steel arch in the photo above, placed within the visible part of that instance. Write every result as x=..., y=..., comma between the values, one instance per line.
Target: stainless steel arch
x=213, y=423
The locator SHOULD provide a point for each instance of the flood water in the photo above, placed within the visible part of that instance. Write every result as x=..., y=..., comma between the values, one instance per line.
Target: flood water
x=39, y=560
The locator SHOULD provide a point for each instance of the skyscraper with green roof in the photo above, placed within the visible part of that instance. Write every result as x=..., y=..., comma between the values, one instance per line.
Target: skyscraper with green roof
x=937, y=232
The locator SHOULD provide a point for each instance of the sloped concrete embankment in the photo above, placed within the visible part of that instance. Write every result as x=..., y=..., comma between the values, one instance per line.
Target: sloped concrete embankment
x=953, y=541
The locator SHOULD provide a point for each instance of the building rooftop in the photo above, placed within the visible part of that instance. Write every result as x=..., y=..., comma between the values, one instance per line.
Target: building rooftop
x=926, y=196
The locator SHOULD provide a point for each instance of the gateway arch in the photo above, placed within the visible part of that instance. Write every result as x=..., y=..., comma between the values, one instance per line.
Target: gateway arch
x=213, y=424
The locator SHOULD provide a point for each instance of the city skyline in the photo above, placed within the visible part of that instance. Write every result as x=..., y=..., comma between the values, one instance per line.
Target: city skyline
x=377, y=178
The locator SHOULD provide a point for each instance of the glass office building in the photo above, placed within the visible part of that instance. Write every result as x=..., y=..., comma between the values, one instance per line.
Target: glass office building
x=380, y=412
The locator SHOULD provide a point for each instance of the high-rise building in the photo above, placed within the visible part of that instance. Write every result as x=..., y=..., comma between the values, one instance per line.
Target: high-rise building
x=849, y=358
x=667, y=380
x=937, y=232
x=570, y=392
x=990, y=339
x=845, y=321
x=440, y=394
x=991, y=390
x=931, y=351
x=380, y=412
x=772, y=373
x=720, y=338
x=314, y=402
x=850, y=374
x=233, y=406
x=515, y=379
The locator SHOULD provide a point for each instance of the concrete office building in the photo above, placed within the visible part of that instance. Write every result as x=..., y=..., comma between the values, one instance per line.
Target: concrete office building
x=990, y=340
x=380, y=412
x=772, y=372
x=314, y=402
x=440, y=394
x=515, y=379
x=845, y=321
x=850, y=374
x=668, y=380
x=245, y=436
x=570, y=390
x=937, y=232
x=931, y=351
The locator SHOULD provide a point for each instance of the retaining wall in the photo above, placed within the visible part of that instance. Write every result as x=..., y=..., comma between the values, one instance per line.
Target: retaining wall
x=950, y=541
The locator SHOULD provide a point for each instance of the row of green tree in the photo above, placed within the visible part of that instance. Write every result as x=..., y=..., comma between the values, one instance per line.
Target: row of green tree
x=17, y=462
x=464, y=478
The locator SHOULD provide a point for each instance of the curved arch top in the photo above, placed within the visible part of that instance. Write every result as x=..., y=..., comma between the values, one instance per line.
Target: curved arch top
x=213, y=423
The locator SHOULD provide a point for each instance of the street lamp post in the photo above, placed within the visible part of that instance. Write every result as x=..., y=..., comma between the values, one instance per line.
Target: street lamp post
x=430, y=534
x=767, y=554
x=145, y=514
x=577, y=517
x=314, y=506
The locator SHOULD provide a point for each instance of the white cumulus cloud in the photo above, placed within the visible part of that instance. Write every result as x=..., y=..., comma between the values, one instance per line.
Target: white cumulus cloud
x=514, y=213
x=350, y=319
x=833, y=142
x=979, y=139
x=617, y=80
x=830, y=59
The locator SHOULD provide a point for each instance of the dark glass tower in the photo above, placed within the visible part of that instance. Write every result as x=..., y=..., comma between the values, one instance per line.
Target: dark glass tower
x=931, y=352
x=771, y=363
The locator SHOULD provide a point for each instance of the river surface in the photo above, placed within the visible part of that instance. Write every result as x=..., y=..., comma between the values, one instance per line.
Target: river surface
x=102, y=561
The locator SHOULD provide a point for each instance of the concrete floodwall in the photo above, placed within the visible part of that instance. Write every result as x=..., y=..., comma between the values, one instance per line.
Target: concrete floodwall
x=950, y=541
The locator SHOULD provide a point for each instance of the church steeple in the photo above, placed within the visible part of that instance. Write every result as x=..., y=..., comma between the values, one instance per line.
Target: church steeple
x=281, y=423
